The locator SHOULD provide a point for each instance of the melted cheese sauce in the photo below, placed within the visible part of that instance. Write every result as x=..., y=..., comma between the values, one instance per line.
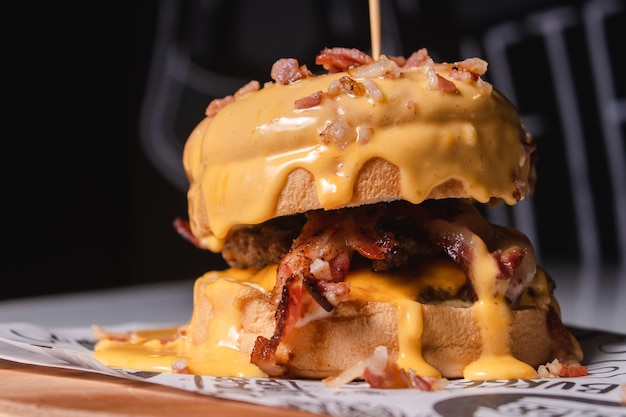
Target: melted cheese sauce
x=238, y=161
x=495, y=318
x=210, y=349
x=209, y=344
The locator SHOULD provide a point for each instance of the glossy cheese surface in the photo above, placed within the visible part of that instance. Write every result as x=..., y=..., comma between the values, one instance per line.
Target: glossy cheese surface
x=238, y=161
x=209, y=344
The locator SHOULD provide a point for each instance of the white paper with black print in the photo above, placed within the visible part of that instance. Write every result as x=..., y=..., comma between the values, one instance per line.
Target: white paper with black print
x=601, y=393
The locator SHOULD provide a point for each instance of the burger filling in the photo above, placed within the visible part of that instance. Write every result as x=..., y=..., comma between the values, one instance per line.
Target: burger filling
x=316, y=251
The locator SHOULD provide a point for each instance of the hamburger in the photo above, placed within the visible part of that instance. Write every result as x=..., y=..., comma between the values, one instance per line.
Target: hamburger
x=348, y=206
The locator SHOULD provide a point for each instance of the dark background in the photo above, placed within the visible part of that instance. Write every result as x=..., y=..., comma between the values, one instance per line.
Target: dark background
x=87, y=209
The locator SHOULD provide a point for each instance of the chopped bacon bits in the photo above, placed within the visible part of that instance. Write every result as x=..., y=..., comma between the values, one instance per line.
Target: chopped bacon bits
x=380, y=372
x=373, y=92
x=383, y=67
x=248, y=88
x=437, y=82
x=363, y=134
x=341, y=59
x=474, y=66
x=417, y=59
x=352, y=87
x=556, y=369
x=180, y=367
x=521, y=188
x=529, y=148
x=309, y=101
x=184, y=230
x=509, y=261
x=346, y=85
x=288, y=70
x=218, y=104
x=361, y=66
x=338, y=133
x=462, y=75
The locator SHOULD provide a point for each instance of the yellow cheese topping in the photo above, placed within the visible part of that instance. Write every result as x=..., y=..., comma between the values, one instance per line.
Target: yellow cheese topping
x=495, y=318
x=210, y=344
x=238, y=161
x=212, y=349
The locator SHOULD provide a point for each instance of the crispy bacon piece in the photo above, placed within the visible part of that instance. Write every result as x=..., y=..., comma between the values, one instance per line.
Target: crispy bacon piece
x=437, y=82
x=572, y=371
x=563, y=347
x=288, y=70
x=219, y=103
x=311, y=276
x=516, y=258
x=556, y=369
x=454, y=227
x=330, y=236
x=180, y=367
x=184, y=229
x=287, y=314
x=248, y=88
x=509, y=260
x=380, y=372
x=382, y=67
x=313, y=272
x=347, y=85
x=475, y=67
x=341, y=59
x=417, y=59
x=309, y=101
x=339, y=134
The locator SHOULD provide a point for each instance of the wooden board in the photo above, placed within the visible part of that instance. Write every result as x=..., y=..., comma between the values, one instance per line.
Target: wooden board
x=27, y=390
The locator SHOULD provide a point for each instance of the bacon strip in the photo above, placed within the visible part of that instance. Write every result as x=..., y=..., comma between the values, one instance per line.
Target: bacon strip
x=309, y=101
x=454, y=225
x=328, y=237
x=563, y=347
x=288, y=70
x=381, y=372
x=341, y=59
x=417, y=59
x=312, y=274
x=184, y=230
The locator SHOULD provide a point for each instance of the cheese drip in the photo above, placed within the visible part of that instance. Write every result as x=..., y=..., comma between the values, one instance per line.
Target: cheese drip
x=210, y=344
x=211, y=349
x=238, y=161
x=495, y=320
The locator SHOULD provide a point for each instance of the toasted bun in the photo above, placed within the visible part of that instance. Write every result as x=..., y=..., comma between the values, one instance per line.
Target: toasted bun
x=378, y=180
x=373, y=135
x=327, y=346
x=450, y=341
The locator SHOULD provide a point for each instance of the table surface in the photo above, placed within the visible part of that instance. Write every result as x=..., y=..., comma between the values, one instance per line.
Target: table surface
x=27, y=390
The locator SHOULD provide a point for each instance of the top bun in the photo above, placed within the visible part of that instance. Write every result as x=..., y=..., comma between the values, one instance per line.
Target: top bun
x=387, y=130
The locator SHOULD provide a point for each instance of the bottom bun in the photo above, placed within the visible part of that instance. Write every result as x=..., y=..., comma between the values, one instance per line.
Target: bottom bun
x=451, y=337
